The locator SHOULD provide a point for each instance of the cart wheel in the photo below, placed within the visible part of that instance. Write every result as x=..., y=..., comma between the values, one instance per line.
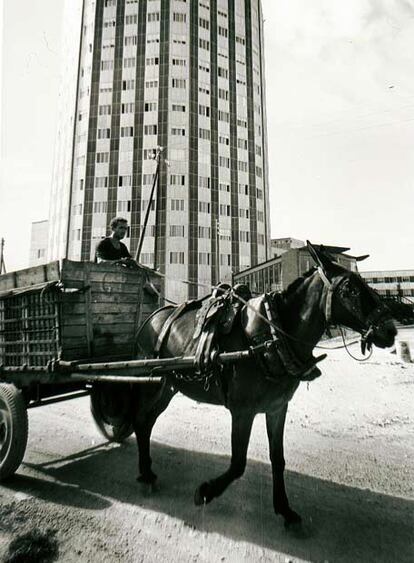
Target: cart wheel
x=109, y=408
x=13, y=429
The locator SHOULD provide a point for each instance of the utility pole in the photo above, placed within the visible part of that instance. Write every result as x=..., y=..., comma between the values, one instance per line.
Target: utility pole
x=155, y=183
x=2, y=263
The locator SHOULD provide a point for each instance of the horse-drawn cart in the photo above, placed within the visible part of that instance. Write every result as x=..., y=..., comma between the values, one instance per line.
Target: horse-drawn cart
x=69, y=329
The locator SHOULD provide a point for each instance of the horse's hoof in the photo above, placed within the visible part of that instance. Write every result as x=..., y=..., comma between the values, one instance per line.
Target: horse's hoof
x=148, y=479
x=201, y=496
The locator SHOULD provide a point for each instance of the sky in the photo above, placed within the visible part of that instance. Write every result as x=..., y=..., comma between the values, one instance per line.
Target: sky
x=340, y=107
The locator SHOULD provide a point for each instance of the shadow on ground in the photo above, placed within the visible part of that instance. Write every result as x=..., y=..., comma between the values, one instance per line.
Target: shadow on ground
x=341, y=523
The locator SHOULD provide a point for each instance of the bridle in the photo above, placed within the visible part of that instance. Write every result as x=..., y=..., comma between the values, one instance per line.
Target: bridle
x=380, y=313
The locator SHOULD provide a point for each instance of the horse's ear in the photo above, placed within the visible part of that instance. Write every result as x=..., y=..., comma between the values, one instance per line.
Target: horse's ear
x=320, y=258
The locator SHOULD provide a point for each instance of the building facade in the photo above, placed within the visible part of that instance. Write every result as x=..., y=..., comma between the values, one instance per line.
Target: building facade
x=281, y=270
x=39, y=238
x=395, y=284
x=187, y=76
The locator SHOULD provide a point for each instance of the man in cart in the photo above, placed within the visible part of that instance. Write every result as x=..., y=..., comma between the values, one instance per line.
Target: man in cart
x=111, y=249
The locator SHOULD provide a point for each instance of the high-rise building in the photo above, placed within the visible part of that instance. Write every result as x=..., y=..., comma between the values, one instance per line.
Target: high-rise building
x=188, y=76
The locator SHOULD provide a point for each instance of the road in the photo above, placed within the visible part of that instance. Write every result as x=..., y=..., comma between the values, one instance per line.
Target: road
x=350, y=473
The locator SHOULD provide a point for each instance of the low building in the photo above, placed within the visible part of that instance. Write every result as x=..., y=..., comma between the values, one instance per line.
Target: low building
x=396, y=284
x=281, y=270
x=39, y=243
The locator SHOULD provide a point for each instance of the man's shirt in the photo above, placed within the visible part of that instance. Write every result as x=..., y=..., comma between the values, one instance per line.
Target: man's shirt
x=107, y=251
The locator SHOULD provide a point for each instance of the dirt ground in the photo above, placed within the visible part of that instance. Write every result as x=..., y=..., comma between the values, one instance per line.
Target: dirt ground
x=350, y=474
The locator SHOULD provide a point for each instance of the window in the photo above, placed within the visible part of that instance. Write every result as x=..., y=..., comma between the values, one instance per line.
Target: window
x=81, y=184
x=104, y=133
x=225, y=259
x=147, y=257
x=150, y=129
x=204, y=232
x=179, y=62
x=223, y=72
x=100, y=206
x=242, y=144
x=258, y=150
x=224, y=161
x=149, y=154
x=224, y=116
x=240, y=40
x=204, y=89
x=145, y=203
x=127, y=131
x=153, y=40
x=178, y=17
x=204, y=110
x=129, y=62
x=204, y=68
x=224, y=187
x=150, y=106
x=147, y=179
x=177, y=205
x=176, y=257
x=109, y=3
x=177, y=231
x=101, y=182
x=204, y=258
x=205, y=24
x=77, y=209
x=128, y=84
x=244, y=236
x=177, y=179
x=130, y=40
x=222, y=31
x=242, y=166
x=204, y=44
x=204, y=133
x=260, y=216
x=258, y=171
x=204, y=206
x=104, y=110
x=128, y=108
x=242, y=123
x=204, y=182
x=260, y=238
x=109, y=23
x=152, y=61
x=243, y=189
x=107, y=65
x=151, y=83
x=224, y=140
x=223, y=94
x=131, y=19
x=176, y=107
x=178, y=83
x=177, y=131
x=125, y=180
x=102, y=157
x=124, y=206
x=221, y=13
x=224, y=209
x=153, y=17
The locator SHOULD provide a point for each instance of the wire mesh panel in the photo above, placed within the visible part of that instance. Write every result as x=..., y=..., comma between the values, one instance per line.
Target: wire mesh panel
x=29, y=328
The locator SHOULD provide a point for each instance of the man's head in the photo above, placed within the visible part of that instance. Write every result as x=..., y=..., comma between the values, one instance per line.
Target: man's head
x=119, y=227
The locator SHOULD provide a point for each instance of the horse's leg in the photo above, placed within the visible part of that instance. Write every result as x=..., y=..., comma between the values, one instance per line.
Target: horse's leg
x=240, y=435
x=275, y=424
x=148, y=409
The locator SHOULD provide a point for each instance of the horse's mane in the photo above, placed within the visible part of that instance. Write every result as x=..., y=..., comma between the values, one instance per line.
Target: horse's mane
x=293, y=286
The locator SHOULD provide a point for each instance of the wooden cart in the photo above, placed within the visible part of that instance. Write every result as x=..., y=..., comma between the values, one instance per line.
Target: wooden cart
x=54, y=318
x=69, y=329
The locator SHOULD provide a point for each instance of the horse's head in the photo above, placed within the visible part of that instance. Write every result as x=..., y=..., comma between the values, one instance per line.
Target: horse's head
x=352, y=303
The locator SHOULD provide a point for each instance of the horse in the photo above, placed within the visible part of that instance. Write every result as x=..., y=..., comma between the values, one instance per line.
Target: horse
x=327, y=294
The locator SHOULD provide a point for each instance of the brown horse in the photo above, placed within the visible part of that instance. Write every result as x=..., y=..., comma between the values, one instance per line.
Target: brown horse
x=328, y=294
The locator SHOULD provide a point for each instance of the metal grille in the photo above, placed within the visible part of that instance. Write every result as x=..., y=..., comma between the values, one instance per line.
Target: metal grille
x=29, y=329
